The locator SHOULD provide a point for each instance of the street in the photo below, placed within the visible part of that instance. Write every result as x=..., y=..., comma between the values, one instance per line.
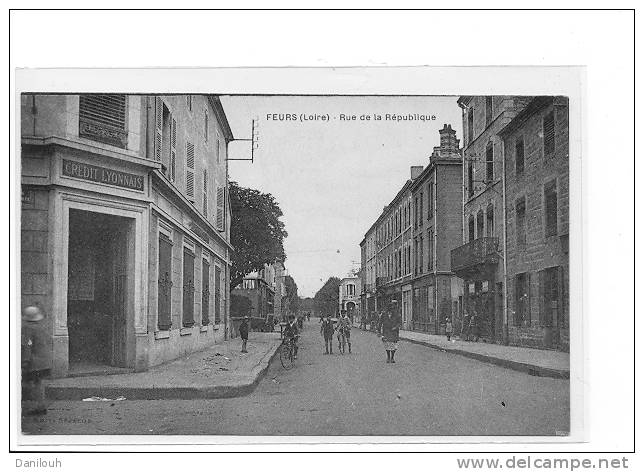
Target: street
x=427, y=392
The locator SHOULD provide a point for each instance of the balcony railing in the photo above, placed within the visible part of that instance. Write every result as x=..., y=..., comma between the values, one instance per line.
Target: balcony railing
x=481, y=251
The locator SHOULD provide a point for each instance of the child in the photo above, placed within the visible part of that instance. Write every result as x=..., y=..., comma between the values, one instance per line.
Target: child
x=35, y=362
x=448, y=328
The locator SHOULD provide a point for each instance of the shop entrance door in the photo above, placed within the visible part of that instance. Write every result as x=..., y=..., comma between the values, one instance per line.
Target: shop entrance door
x=97, y=290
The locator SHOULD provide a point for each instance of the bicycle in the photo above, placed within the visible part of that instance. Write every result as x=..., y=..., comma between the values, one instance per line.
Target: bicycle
x=287, y=353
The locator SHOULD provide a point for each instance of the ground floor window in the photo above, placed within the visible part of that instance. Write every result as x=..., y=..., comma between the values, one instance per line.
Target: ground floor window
x=164, y=299
x=188, y=288
x=205, y=293
x=550, y=297
x=522, y=299
x=217, y=295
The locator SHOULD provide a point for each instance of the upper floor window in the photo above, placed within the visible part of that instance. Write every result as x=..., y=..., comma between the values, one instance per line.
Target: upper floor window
x=470, y=125
x=205, y=125
x=520, y=223
x=479, y=224
x=470, y=180
x=430, y=203
x=420, y=222
x=550, y=202
x=549, y=134
x=489, y=217
x=488, y=110
x=103, y=118
x=189, y=102
x=470, y=229
x=489, y=162
x=519, y=155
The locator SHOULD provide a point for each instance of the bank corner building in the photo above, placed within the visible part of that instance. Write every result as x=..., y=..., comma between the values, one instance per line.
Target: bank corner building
x=125, y=226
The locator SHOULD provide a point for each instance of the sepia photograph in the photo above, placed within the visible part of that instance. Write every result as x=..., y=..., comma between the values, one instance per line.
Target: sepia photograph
x=225, y=264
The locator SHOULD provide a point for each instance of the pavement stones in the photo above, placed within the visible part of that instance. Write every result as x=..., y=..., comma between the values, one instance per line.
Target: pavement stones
x=219, y=372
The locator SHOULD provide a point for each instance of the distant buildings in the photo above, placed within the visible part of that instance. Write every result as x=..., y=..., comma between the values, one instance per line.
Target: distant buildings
x=406, y=249
x=349, y=296
x=125, y=226
x=259, y=289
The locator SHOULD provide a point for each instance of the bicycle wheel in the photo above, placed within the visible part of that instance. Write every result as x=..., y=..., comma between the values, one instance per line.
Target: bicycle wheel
x=286, y=356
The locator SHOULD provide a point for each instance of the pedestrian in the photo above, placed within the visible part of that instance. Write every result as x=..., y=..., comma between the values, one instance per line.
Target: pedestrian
x=465, y=335
x=390, y=326
x=326, y=330
x=35, y=362
x=344, y=329
x=243, y=332
x=474, y=327
x=448, y=328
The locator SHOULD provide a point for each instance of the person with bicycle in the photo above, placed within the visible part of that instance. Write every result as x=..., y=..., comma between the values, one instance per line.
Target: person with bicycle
x=344, y=329
x=291, y=334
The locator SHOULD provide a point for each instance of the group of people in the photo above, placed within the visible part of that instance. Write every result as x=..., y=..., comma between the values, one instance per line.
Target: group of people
x=342, y=330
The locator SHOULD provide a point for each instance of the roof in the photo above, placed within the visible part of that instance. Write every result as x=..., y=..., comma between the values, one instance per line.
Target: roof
x=221, y=116
x=433, y=163
x=533, y=106
x=386, y=209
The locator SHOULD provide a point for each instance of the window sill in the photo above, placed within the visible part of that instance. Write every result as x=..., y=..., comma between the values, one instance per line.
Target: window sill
x=185, y=331
x=161, y=334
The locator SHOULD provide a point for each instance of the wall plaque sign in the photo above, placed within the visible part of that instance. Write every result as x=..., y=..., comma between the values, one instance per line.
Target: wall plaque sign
x=102, y=175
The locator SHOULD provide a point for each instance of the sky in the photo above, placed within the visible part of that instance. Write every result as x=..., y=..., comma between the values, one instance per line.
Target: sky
x=332, y=178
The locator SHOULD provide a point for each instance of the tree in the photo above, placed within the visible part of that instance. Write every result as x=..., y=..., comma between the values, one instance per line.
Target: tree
x=326, y=299
x=256, y=232
x=291, y=294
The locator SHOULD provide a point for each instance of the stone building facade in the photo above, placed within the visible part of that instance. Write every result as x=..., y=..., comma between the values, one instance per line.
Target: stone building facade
x=436, y=197
x=536, y=147
x=124, y=226
x=478, y=261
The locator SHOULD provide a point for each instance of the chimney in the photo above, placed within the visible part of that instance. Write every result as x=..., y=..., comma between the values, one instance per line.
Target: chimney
x=416, y=171
x=449, y=144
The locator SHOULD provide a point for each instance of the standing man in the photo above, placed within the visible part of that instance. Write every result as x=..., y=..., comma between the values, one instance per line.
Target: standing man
x=390, y=332
x=344, y=328
x=326, y=330
x=243, y=332
x=35, y=363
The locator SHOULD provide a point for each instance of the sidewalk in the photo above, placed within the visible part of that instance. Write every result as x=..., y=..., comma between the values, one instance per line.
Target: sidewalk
x=218, y=372
x=538, y=362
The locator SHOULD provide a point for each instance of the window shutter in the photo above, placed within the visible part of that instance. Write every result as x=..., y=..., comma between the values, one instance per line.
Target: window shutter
x=158, y=129
x=205, y=193
x=190, y=170
x=549, y=133
x=173, y=151
x=220, y=209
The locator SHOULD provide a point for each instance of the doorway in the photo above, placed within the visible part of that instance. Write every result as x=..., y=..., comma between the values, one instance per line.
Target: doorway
x=98, y=284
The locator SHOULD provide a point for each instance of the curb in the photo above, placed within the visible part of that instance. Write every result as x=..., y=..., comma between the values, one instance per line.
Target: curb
x=243, y=388
x=529, y=369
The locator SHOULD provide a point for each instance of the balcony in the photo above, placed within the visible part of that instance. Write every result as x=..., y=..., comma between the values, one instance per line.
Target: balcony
x=478, y=255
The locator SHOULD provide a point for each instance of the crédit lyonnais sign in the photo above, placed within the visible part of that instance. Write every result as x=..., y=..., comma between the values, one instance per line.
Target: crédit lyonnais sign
x=102, y=175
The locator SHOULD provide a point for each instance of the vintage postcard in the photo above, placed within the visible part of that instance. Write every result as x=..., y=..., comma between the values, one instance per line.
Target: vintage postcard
x=219, y=264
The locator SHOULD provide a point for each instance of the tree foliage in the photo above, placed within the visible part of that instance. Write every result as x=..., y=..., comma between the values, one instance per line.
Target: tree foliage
x=256, y=232
x=326, y=299
x=291, y=294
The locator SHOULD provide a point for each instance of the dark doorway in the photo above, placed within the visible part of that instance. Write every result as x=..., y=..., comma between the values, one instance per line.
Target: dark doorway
x=97, y=289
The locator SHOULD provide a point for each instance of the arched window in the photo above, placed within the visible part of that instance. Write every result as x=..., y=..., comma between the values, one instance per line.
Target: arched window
x=479, y=224
x=470, y=227
x=489, y=217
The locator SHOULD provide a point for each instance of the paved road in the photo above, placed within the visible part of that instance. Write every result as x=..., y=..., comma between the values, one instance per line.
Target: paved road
x=427, y=392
